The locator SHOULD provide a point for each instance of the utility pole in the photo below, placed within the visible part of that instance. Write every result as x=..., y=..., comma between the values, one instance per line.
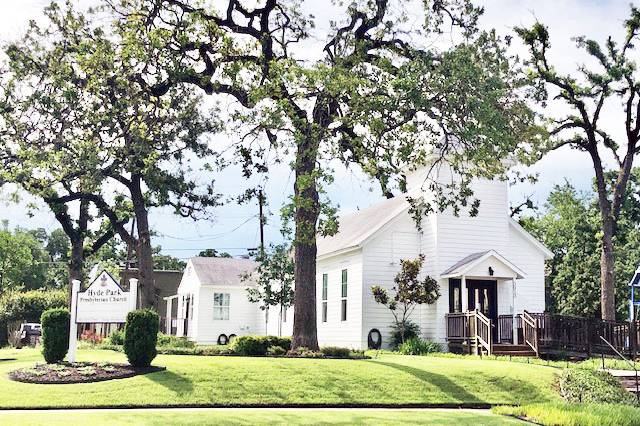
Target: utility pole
x=260, y=205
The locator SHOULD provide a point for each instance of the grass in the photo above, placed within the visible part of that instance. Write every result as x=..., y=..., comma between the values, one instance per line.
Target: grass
x=224, y=381
x=563, y=414
x=258, y=417
x=594, y=363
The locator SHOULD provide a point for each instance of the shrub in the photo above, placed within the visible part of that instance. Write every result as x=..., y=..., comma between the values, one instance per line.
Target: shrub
x=417, y=346
x=411, y=330
x=30, y=305
x=55, y=334
x=335, y=352
x=168, y=341
x=276, y=351
x=590, y=386
x=140, y=337
x=116, y=338
x=302, y=352
x=258, y=345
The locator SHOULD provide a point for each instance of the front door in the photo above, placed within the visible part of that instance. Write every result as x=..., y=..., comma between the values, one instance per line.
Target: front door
x=482, y=295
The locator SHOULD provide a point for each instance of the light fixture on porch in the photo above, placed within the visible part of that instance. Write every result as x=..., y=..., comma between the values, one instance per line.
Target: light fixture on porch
x=490, y=271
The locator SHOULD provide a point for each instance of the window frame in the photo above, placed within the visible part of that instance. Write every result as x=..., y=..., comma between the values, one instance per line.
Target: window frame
x=222, y=307
x=343, y=294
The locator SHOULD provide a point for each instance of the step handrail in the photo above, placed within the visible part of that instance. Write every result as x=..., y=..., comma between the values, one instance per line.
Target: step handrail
x=486, y=322
x=530, y=331
x=632, y=364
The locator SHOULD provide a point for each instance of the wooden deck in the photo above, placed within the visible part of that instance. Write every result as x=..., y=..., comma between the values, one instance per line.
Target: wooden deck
x=544, y=334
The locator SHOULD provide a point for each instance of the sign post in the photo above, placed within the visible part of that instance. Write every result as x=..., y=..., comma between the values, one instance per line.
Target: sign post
x=104, y=301
x=73, y=325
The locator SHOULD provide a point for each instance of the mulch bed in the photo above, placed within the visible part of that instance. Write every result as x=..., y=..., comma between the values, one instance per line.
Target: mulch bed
x=78, y=372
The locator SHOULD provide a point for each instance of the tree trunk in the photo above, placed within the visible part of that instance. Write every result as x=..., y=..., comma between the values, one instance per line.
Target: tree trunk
x=607, y=271
x=76, y=264
x=306, y=217
x=146, y=283
x=607, y=261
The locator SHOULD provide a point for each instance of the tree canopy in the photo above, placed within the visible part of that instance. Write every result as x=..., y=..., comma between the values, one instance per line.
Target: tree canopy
x=585, y=94
x=378, y=94
x=570, y=226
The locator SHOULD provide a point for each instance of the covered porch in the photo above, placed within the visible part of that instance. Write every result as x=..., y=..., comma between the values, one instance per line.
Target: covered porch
x=177, y=320
x=483, y=302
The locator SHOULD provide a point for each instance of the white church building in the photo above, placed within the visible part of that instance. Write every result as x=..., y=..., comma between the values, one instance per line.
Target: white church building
x=486, y=262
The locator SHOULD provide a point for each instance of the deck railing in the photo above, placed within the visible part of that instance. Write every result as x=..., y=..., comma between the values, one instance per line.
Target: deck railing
x=505, y=328
x=547, y=333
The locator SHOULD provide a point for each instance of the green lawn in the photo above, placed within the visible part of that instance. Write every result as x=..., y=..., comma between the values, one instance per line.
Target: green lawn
x=258, y=417
x=195, y=380
x=563, y=414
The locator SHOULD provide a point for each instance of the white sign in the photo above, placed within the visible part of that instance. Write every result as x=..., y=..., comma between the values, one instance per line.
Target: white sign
x=104, y=301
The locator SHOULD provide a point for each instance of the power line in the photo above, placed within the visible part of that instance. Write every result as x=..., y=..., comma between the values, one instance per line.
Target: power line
x=209, y=237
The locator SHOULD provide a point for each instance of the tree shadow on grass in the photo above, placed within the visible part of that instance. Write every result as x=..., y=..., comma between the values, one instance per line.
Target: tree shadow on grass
x=446, y=385
x=172, y=381
x=508, y=386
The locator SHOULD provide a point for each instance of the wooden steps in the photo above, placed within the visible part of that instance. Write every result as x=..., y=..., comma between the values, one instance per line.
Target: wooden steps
x=626, y=378
x=512, y=350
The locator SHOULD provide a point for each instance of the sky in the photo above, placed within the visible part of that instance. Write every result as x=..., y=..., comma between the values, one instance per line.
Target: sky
x=235, y=228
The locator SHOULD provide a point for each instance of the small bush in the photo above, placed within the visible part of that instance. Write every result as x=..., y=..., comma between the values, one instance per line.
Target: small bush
x=167, y=341
x=276, y=351
x=335, y=352
x=302, y=352
x=116, y=338
x=411, y=330
x=258, y=345
x=141, y=336
x=417, y=346
x=590, y=386
x=55, y=334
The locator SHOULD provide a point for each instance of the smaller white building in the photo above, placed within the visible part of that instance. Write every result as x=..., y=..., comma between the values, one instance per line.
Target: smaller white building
x=212, y=302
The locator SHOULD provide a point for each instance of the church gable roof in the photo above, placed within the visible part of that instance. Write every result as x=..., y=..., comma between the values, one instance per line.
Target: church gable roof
x=358, y=226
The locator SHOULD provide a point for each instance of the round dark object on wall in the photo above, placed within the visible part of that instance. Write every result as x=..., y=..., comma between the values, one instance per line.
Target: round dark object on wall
x=374, y=339
x=223, y=339
x=231, y=337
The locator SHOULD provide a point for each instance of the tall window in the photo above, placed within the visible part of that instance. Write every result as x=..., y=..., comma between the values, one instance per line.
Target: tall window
x=343, y=310
x=325, y=284
x=221, y=306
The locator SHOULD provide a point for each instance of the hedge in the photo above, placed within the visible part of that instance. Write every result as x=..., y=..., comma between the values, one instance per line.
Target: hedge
x=27, y=306
x=55, y=334
x=258, y=345
x=141, y=336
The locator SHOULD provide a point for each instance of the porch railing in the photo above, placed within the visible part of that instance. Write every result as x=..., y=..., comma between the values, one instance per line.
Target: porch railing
x=472, y=328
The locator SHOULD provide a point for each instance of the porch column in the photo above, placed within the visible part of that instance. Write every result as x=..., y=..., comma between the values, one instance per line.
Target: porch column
x=167, y=320
x=463, y=294
x=514, y=321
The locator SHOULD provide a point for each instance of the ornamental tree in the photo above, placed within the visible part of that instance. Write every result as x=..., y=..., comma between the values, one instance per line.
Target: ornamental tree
x=379, y=94
x=408, y=292
x=585, y=94
x=274, y=279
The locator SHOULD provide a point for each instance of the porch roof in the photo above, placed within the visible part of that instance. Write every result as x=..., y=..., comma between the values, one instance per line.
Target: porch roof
x=470, y=264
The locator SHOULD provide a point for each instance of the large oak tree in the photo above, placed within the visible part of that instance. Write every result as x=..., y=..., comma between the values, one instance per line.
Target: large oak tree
x=585, y=94
x=80, y=132
x=378, y=93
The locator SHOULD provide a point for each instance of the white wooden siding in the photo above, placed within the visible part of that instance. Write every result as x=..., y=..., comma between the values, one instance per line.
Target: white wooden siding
x=244, y=317
x=336, y=332
x=400, y=239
